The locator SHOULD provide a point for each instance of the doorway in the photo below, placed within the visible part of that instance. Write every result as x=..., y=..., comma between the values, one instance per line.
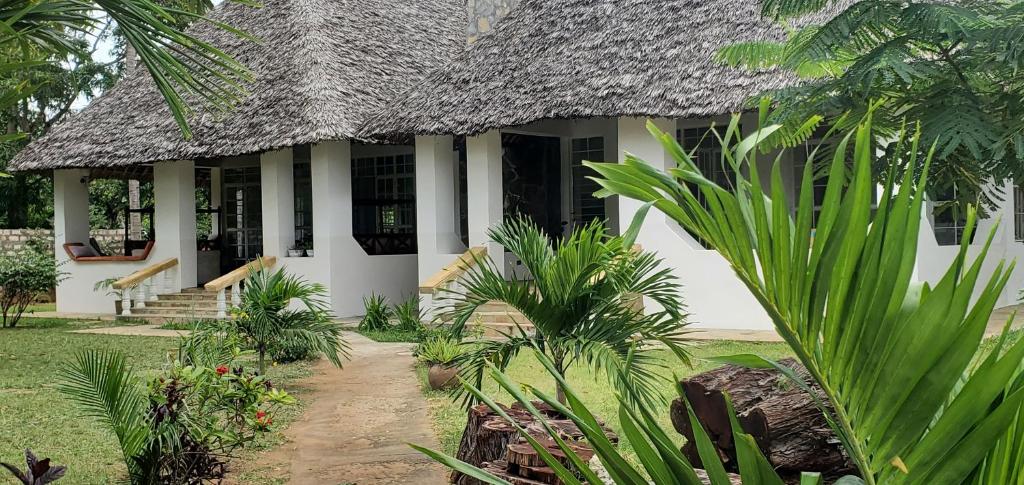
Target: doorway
x=531, y=179
x=243, y=217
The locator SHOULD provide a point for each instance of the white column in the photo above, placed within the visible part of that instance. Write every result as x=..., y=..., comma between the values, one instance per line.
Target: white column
x=634, y=138
x=216, y=174
x=277, y=188
x=336, y=250
x=174, y=190
x=436, y=234
x=70, y=224
x=485, y=197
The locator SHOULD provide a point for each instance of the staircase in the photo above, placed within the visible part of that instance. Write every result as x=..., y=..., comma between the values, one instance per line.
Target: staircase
x=497, y=319
x=185, y=306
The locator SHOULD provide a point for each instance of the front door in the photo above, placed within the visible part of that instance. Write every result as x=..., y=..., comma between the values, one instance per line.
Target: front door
x=532, y=180
x=243, y=217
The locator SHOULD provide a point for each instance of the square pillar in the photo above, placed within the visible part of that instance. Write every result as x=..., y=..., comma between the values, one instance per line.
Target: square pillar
x=174, y=191
x=436, y=216
x=216, y=202
x=634, y=138
x=70, y=209
x=485, y=196
x=331, y=172
x=278, y=191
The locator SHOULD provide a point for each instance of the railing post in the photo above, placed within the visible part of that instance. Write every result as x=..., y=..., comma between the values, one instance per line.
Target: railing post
x=222, y=305
x=126, y=302
x=236, y=297
x=151, y=288
x=158, y=284
x=140, y=296
x=169, y=280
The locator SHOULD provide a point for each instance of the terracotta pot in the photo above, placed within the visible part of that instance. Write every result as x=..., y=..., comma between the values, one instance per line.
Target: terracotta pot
x=441, y=376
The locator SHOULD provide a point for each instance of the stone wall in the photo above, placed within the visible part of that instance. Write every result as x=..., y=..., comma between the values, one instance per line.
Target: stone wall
x=13, y=240
x=483, y=14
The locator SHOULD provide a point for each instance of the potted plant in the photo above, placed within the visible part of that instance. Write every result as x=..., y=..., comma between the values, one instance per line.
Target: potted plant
x=308, y=244
x=107, y=286
x=440, y=355
x=296, y=250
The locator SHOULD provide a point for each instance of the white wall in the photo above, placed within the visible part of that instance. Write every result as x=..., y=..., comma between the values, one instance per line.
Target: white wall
x=352, y=274
x=437, y=239
x=934, y=260
x=715, y=298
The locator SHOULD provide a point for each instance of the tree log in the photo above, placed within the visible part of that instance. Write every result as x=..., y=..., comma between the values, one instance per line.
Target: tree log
x=783, y=419
x=492, y=443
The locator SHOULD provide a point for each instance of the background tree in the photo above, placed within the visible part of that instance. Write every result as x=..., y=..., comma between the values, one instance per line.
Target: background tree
x=52, y=60
x=581, y=299
x=955, y=66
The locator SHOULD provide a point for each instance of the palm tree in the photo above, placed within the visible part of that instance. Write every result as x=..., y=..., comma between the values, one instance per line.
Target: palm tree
x=581, y=301
x=37, y=32
x=266, y=316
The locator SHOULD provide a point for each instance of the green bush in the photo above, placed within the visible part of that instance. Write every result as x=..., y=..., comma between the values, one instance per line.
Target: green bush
x=291, y=351
x=378, y=313
x=409, y=315
x=439, y=350
x=24, y=276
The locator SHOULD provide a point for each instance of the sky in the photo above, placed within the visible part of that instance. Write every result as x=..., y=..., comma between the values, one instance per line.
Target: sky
x=104, y=53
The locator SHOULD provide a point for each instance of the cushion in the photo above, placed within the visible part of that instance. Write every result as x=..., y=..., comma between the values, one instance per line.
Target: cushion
x=82, y=251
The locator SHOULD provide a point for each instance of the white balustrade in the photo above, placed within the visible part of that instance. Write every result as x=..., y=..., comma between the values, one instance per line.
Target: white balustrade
x=126, y=302
x=222, y=305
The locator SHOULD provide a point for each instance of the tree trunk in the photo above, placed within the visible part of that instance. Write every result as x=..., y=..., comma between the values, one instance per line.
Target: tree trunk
x=784, y=420
x=492, y=443
x=134, y=218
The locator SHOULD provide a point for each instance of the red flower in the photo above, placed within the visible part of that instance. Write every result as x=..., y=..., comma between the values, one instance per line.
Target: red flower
x=221, y=370
x=263, y=421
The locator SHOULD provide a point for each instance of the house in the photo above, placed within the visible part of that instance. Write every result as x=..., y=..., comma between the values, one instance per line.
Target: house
x=378, y=133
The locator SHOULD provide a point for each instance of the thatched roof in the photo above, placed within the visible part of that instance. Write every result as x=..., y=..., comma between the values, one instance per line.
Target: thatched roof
x=321, y=67
x=589, y=58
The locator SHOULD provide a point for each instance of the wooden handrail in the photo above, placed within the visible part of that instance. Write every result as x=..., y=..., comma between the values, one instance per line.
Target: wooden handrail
x=240, y=273
x=145, y=273
x=454, y=270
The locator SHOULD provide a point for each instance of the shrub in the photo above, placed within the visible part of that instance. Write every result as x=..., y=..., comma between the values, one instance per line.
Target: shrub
x=439, y=351
x=378, y=313
x=409, y=316
x=264, y=318
x=24, y=275
x=291, y=351
x=183, y=425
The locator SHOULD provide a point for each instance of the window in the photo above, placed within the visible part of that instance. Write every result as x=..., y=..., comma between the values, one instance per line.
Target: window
x=823, y=155
x=707, y=155
x=586, y=207
x=302, y=180
x=948, y=218
x=384, y=204
x=1018, y=213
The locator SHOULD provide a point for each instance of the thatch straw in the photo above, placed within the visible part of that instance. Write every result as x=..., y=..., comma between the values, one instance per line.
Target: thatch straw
x=321, y=67
x=589, y=58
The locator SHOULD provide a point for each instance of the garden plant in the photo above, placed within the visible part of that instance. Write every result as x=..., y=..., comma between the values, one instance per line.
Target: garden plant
x=24, y=276
x=896, y=358
x=183, y=425
x=280, y=309
x=581, y=301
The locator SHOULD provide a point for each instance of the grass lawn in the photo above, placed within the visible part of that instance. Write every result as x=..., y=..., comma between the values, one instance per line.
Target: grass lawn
x=33, y=414
x=449, y=419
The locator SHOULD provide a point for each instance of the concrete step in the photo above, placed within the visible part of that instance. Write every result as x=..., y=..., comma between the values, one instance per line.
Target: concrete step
x=161, y=318
x=193, y=296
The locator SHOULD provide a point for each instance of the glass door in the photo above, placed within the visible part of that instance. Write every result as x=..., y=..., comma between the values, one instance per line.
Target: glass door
x=243, y=217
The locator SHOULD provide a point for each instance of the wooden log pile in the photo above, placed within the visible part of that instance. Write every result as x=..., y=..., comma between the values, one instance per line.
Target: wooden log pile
x=493, y=444
x=784, y=420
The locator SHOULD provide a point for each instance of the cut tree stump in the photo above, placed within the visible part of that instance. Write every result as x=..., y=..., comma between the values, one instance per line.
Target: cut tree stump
x=783, y=419
x=492, y=443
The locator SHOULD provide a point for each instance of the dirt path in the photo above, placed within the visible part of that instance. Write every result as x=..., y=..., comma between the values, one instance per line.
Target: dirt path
x=359, y=420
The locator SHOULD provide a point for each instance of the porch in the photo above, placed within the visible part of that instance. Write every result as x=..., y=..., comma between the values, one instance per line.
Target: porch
x=299, y=207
